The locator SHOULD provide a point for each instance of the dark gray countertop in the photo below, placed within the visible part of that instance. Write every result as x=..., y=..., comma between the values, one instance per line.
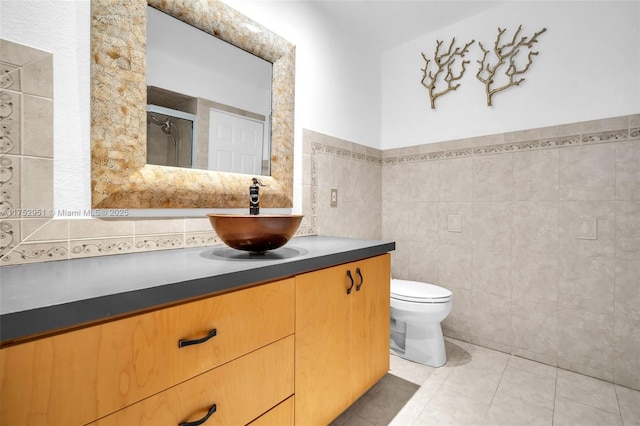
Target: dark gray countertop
x=49, y=296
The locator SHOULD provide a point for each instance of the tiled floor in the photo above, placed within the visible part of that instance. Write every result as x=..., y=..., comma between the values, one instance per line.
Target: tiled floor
x=479, y=386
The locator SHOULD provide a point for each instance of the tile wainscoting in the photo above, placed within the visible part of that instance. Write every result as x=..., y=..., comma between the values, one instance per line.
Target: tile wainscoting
x=546, y=262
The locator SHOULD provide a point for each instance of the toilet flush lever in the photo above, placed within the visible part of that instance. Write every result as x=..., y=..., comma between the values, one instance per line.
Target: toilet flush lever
x=361, y=279
x=351, y=278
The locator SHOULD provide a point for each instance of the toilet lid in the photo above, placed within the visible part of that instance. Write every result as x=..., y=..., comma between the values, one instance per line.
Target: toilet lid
x=414, y=291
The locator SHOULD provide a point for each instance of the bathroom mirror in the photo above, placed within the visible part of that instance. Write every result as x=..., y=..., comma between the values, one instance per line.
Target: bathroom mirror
x=208, y=102
x=120, y=175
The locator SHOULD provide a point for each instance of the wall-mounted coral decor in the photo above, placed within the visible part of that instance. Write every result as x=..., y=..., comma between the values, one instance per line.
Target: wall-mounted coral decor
x=443, y=61
x=488, y=73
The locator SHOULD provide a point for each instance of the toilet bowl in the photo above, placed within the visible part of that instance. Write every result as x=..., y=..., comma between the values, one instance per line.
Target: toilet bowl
x=417, y=309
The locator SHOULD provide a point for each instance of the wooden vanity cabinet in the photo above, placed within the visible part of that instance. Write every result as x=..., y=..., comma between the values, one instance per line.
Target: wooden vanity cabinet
x=132, y=371
x=77, y=377
x=342, y=337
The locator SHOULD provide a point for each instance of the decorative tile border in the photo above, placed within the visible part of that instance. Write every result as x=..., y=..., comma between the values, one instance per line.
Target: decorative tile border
x=318, y=148
x=606, y=136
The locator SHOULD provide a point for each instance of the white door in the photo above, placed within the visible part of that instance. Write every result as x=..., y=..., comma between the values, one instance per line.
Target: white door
x=235, y=143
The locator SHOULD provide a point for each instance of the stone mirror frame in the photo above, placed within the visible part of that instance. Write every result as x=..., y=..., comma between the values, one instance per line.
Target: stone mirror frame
x=120, y=177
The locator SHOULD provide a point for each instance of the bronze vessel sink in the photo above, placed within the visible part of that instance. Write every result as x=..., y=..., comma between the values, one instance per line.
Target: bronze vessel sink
x=255, y=233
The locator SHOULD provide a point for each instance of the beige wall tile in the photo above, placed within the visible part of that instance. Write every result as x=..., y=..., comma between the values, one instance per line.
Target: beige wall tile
x=333, y=172
x=364, y=183
x=493, y=178
x=10, y=122
x=11, y=76
x=491, y=270
x=398, y=221
x=10, y=176
x=36, y=186
x=491, y=224
x=454, y=266
x=37, y=126
x=628, y=229
x=401, y=259
x=158, y=226
x=10, y=236
x=410, y=182
x=19, y=54
x=628, y=171
x=521, y=136
x=197, y=225
x=458, y=322
x=423, y=262
x=47, y=229
x=92, y=228
x=605, y=124
x=560, y=130
x=306, y=169
x=535, y=175
x=588, y=172
x=535, y=226
x=422, y=219
x=535, y=329
x=626, y=368
x=586, y=283
x=455, y=179
x=491, y=318
x=37, y=77
x=586, y=342
x=627, y=288
x=534, y=276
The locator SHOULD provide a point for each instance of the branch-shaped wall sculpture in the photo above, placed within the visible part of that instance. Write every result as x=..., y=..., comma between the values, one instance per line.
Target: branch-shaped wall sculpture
x=444, y=62
x=503, y=53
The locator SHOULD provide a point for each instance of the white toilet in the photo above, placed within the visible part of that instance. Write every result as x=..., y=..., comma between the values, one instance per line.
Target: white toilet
x=417, y=309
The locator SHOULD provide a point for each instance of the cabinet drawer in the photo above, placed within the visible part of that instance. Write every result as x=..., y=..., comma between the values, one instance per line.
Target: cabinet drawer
x=241, y=390
x=77, y=377
x=280, y=415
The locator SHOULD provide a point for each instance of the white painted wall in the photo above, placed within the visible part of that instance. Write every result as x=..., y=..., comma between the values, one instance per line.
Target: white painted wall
x=62, y=28
x=588, y=68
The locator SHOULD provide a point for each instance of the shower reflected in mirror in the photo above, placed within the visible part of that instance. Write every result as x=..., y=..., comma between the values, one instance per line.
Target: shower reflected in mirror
x=169, y=137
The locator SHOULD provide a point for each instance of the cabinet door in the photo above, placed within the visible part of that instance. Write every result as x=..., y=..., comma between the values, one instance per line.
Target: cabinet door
x=323, y=346
x=342, y=340
x=370, y=330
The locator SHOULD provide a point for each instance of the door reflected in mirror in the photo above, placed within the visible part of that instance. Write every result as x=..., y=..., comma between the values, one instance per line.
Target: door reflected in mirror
x=209, y=102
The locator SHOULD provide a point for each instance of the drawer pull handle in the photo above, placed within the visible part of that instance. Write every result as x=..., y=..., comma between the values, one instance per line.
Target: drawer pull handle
x=202, y=420
x=183, y=343
x=351, y=278
x=361, y=279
